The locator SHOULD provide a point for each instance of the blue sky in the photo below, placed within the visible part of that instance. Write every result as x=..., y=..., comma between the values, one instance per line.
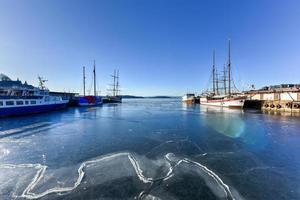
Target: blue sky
x=161, y=47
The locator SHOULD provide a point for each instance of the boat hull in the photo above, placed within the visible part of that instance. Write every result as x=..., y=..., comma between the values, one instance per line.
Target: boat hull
x=27, y=110
x=228, y=103
x=90, y=101
x=112, y=99
x=188, y=101
x=188, y=98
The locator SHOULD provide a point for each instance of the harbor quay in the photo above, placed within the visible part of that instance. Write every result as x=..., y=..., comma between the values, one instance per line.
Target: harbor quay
x=275, y=98
x=279, y=98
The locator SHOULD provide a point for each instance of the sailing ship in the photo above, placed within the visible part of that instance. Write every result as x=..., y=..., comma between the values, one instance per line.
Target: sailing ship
x=17, y=98
x=224, y=92
x=115, y=97
x=90, y=100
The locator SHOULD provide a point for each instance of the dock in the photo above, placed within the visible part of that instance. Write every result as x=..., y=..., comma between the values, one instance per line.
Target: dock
x=279, y=98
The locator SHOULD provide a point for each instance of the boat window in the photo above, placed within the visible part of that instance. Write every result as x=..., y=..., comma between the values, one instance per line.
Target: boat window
x=10, y=103
x=19, y=102
x=1, y=103
x=32, y=102
x=26, y=102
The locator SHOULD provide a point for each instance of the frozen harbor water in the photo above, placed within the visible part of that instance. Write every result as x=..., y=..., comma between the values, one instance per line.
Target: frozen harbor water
x=150, y=149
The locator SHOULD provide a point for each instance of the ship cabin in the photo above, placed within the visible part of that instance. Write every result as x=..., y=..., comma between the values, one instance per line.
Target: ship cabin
x=15, y=93
x=190, y=95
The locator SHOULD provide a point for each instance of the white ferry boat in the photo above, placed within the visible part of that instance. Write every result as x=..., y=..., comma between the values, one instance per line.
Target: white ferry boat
x=17, y=98
x=222, y=93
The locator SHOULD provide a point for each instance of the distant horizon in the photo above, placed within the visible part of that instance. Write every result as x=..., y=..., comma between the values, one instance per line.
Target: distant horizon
x=162, y=48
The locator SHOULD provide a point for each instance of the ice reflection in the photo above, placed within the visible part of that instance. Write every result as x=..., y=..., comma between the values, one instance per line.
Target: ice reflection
x=231, y=123
x=225, y=121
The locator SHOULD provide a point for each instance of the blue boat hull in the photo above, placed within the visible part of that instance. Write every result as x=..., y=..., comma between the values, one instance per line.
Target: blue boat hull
x=90, y=101
x=26, y=110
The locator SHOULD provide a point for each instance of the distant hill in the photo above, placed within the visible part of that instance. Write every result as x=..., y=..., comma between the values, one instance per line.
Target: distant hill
x=160, y=97
x=131, y=97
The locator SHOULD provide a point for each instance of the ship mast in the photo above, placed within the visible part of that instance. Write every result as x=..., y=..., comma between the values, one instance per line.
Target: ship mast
x=224, y=79
x=114, y=86
x=229, y=70
x=217, y=82
x=83, y=80
x=95, y=93
x=214, y=72
x=117, y=86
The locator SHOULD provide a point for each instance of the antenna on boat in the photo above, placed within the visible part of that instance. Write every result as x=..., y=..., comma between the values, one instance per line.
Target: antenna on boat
x=42, y=82
x=229, y=70
x=94, y=71
x=84, y=80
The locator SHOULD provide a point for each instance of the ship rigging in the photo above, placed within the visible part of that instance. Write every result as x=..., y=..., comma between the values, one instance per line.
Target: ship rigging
x=223, y=93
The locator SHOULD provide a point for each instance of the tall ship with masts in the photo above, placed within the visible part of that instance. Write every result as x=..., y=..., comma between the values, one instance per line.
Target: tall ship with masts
x=114, y=96
x=224, y=92
x=90, y=100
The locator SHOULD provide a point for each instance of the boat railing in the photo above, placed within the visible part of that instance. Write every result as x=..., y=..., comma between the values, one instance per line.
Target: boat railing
x=21, y=97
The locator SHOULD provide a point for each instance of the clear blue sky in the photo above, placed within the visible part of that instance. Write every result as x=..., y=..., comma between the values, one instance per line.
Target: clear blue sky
x=161, y=47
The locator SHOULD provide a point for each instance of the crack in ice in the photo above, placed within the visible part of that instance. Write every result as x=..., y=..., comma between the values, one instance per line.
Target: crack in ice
x=27, y=193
